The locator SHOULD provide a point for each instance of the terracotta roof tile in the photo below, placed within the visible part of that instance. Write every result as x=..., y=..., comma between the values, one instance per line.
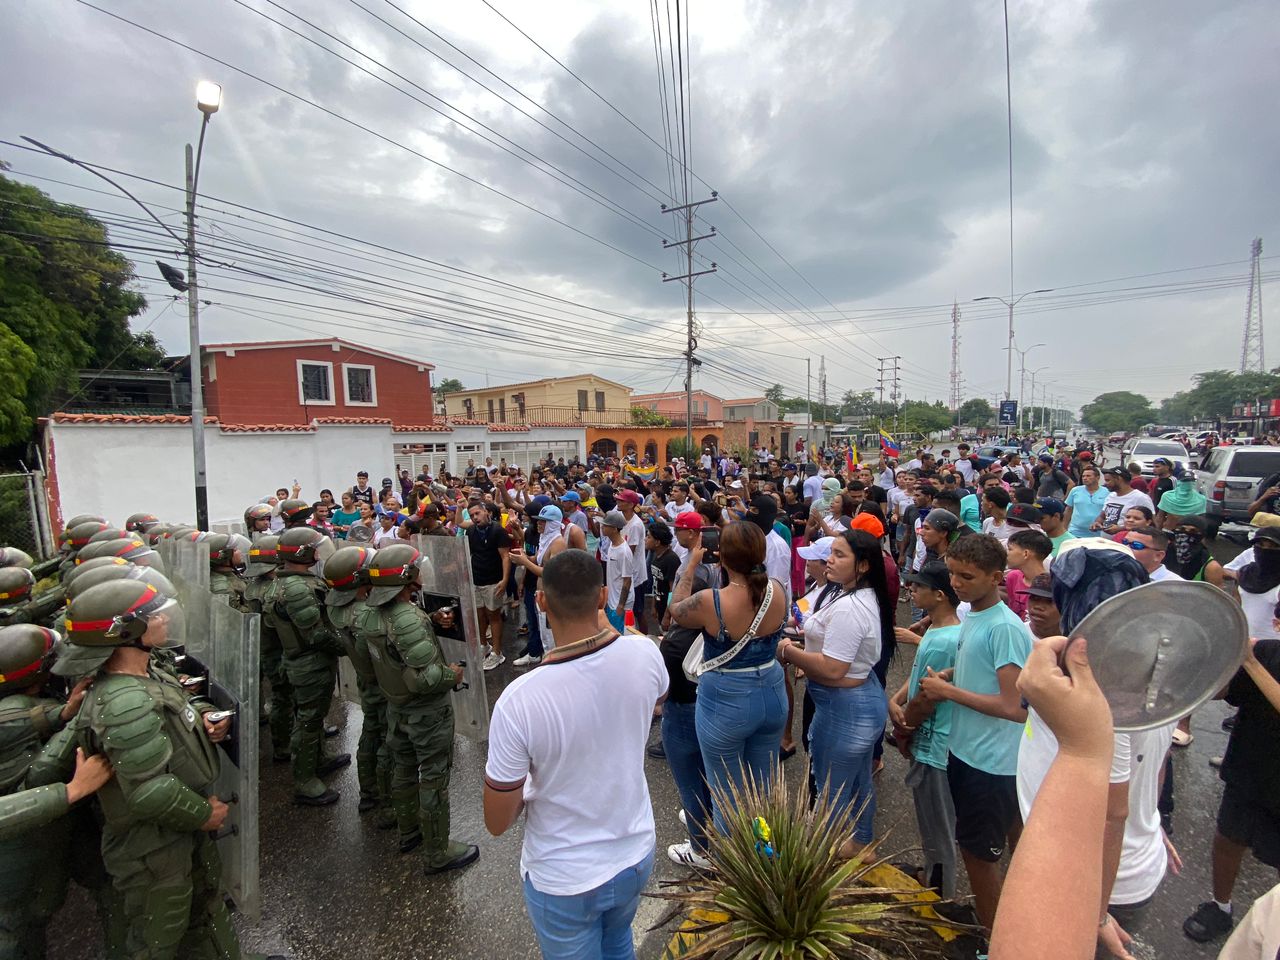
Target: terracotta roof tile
x=508, y=428
x=268, y=428
x=383, y=421
x=464, y=422
x=126, y=418
x=421, y=428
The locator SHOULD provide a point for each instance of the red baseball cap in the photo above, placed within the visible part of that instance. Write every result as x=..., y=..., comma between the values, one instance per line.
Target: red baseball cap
x=629, y=496
x=690, y=520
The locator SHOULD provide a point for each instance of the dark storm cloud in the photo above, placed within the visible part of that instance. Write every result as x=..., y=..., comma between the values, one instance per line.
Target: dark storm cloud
x=866, y=141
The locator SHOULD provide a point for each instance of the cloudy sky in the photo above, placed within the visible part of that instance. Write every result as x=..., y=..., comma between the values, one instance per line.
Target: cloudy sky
x=453, y=192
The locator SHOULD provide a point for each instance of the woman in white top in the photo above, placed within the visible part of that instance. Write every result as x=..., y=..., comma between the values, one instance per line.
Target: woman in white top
x=1259, y=583
x=842, y=642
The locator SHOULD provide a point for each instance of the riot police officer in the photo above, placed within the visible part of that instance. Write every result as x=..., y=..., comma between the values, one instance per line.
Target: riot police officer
x=260, y=572
x=141, y=522
x=18, y=603
x=13, y=557
x=157, y=842
x=295, y=513
x=227, y=563
x=33, y=871
x=295, y=607
x=413, y=673
x=347, y=575
x=257, y=520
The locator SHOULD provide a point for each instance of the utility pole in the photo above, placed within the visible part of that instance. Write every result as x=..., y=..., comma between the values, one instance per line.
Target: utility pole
x=896, y=392
x=1252, y=355
x=955, y=358
x=880, y=382
x=808, y=404
x=691, y=341
x=822, y=395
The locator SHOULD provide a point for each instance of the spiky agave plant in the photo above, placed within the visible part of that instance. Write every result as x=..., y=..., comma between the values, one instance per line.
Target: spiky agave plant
x=795, y=898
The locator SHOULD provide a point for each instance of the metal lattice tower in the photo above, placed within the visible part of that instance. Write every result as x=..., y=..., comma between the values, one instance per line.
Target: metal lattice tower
x=955, y=356
x=1252, y=354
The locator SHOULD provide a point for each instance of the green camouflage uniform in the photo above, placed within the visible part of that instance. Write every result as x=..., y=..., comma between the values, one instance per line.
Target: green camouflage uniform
x=373, y=759
x=294, y=605
x=165, y=868
x=416, y=678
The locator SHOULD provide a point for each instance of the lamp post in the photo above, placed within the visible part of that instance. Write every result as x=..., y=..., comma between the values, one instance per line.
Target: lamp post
x=1008, y=386
x=1022, y=380
x=208, y=100
x=1039, y=418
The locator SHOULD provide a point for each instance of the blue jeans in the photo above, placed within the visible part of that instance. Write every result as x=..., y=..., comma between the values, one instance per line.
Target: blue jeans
x=847, y=723
x=680, y=742
x=534, y=648
x=595, y=925
x=740, y=718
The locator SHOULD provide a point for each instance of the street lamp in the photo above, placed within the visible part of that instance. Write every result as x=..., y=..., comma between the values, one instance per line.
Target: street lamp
x=208, y=100
x=1008, y=386
x=1040, y=416
x=1022, y=380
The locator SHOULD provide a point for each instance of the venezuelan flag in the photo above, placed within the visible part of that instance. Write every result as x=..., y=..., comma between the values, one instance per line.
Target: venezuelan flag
x=644, y=473
x=851, y=458
x=889, y=445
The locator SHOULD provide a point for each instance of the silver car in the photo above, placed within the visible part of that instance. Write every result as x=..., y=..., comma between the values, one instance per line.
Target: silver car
x=1142, y=450
x=1230, y=479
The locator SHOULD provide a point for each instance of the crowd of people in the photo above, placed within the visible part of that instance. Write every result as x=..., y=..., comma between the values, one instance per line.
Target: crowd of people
x=758, y=584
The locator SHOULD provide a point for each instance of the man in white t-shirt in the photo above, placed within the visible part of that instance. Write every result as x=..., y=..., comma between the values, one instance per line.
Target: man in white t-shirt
x=1135, y=856
x=619, y=569
x=1121, y=497
x=680, y=502
x=566, y=745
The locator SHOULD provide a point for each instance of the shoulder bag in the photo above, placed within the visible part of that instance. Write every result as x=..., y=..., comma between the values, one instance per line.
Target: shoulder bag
x=695, y=666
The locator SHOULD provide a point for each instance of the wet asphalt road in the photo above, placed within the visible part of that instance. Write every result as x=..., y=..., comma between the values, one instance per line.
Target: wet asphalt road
x=335, y=888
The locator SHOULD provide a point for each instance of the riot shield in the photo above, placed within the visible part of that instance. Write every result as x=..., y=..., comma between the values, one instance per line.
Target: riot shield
x=447, y=589
x=228, y=526
x=220, y=663
x=348, y=687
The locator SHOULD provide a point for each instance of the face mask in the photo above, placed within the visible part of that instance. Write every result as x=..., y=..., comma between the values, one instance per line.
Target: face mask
x=1268, y=560
x=1185, y=545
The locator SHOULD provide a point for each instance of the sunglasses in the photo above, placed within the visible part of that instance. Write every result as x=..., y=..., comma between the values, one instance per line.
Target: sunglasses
x=1137, y=545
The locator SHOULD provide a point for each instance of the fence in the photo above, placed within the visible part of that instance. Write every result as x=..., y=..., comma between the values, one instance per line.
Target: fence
x=24, y=523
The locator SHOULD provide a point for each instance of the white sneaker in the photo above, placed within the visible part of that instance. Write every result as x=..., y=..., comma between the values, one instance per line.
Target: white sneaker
x=528, y=660
x=493, y=661
x=683, y=854
x=684, y=821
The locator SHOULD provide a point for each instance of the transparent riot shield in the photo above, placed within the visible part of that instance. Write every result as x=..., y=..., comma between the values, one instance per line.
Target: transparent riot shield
x=449, y=596
x=348, y=688
x=232, y=659
x=228, y=526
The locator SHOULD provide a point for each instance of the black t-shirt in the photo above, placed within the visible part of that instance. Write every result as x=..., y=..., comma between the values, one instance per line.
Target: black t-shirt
x=675, y=645
x=662, y=571
x=877, y=494
x=366, y=494
x=1250, y=760
x=486, y=562
x=1159, y=488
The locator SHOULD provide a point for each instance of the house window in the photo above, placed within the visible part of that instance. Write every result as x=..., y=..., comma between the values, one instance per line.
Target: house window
x=600, y=401
x=315, y=382
x=361, y=384
x=582, y=400
x=502, y=409
x=470, y=408
x=491, y=411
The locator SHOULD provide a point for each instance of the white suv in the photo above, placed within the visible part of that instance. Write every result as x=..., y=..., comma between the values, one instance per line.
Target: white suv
x=1142, y=450
x=1230, y=478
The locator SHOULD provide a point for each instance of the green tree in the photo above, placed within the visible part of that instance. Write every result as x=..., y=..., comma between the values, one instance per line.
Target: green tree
x=1177, y=409
x=856, y=404
x=1118, y=410
x=916, y=416
x=448, y=385
x=64, y=305
x=975, y=413
x=1216, y=391
x=775, y=393
x=644, y=417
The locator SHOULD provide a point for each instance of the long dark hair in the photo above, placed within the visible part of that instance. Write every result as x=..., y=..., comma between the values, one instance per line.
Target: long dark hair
x=742, y=550
x=866, y=547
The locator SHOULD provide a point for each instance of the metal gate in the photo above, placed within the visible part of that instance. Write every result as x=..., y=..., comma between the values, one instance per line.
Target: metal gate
x=24, y=522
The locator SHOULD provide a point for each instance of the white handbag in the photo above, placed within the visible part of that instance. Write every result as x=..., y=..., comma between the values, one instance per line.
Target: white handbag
x=694, y=666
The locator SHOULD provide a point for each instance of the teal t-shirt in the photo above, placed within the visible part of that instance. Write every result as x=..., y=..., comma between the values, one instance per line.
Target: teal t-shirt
x=937, y=650
x=1059, y=541
x=989, y=640
x=343, y=519
x=1085, y=507
x=970, y=512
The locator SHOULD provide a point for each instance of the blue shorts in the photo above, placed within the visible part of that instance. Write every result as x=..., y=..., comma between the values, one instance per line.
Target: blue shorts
x=618, y=623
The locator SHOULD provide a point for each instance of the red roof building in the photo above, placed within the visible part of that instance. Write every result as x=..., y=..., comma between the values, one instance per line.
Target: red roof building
x=301, y=381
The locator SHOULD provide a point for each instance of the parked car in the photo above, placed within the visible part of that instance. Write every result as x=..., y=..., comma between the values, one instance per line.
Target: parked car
x=1117, y=439
x=1230, y=478
x=1142, y=451
x=990, y=454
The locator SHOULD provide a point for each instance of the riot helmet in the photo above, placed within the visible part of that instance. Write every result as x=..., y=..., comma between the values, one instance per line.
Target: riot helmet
x=16, y=584
x=122, y=571
x=262, y=556
x=141, y=522
x=295, y=513
x=116, y=614
x=393, y=568
x=13, y=557
x=79, y=535
x=83, y=518
x=130, y=548
x=304, y=545
x=257, y=519
x=227, y=551
x=345, y=572
x=93, y=563
x=110, y=533
x=27, y=652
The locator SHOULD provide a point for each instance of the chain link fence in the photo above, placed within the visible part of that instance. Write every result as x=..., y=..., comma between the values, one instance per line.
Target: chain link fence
x=23, y=522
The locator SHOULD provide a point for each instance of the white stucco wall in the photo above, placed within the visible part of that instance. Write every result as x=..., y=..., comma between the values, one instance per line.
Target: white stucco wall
x=115, y=469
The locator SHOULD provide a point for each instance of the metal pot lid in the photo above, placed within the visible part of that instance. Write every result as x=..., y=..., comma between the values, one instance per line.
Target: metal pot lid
x=1160, y=650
